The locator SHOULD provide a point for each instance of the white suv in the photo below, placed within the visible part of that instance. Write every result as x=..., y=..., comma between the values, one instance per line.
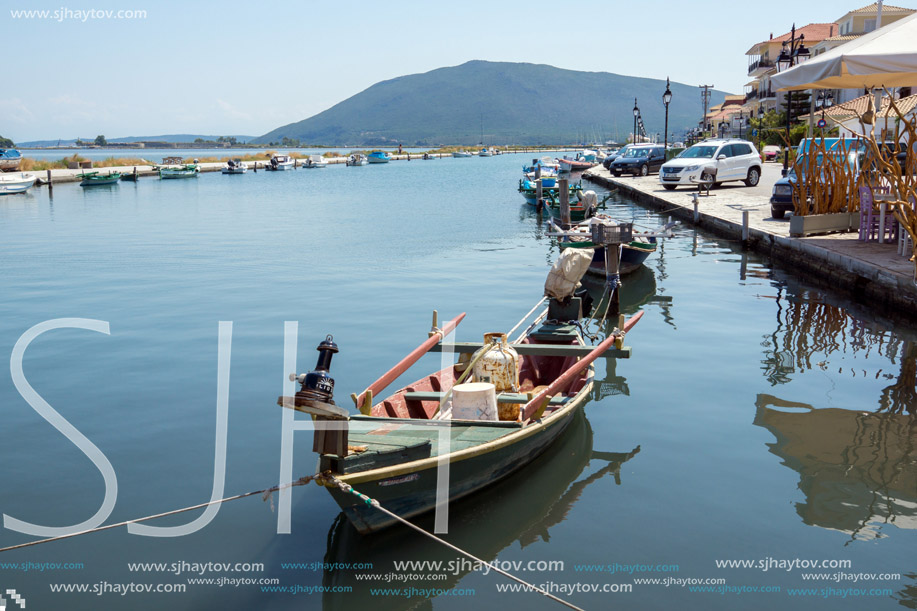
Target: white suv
x=717, y=160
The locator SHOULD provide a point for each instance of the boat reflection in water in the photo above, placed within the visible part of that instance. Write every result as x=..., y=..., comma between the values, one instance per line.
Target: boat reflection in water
x=638, y=290
x=483, y=524
x=857, y=470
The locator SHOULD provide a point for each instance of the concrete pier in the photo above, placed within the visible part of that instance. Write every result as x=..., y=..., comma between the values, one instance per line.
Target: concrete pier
x=871, y=272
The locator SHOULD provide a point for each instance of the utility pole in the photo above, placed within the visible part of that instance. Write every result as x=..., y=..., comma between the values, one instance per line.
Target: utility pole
x=705, y=96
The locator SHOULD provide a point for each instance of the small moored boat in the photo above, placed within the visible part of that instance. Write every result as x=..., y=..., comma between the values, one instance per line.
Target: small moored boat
x=461, y=154
x=378, y=157
x=280, y=163
x=190, y=170
x=548, y=167
x=314, y=162
x=95, y=179
x=357, y=159
x=485, y=152
x=583, y=161
x=488, y=416
x=10, y=160
x=234, y=166
x=550, y=192
x=634, y=253
x=16, y=184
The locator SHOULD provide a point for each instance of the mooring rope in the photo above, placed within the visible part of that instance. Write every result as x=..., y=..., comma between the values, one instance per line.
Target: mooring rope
x=326, y=477
x=265, y=494
x=347, y=488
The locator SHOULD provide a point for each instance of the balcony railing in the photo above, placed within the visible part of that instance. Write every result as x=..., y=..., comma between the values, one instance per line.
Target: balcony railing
x=760, y=64
x=767, y=94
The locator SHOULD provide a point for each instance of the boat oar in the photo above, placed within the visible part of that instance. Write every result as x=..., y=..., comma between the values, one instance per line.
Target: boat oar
x=535, y=407
x=364, y=401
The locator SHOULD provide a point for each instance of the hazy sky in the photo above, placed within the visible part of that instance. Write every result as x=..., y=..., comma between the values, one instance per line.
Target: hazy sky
x=247, y=67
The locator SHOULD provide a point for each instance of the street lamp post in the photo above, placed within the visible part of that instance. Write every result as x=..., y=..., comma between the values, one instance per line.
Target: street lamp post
x=636, y=114
x=666, y=98
x=741, y=123
x=793, y=53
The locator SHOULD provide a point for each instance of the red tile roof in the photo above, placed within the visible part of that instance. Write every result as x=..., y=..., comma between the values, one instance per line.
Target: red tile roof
x=814, y=32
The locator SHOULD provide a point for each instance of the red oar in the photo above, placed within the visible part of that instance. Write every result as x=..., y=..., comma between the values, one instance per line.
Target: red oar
x=570, y=374
x=392, y=374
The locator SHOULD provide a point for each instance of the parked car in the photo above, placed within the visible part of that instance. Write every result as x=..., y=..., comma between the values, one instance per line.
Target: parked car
x=638, y=159
x=770, y=152
x=611, y=156
x=720, y=160
x=782, y=194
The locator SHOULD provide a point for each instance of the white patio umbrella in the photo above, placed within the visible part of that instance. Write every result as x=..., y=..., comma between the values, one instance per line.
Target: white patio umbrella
x=886, y=57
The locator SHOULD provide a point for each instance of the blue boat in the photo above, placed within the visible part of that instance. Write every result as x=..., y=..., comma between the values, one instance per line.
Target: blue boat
x=551, y=193
x=10, y=160
x=378, y=157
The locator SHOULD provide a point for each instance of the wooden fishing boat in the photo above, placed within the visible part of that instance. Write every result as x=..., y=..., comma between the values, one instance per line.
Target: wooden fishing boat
x=392, y=451
x=633, y=253
x=357, y=160
x=190, y=170
x=16, y=184
x=95, y=179
x=130, y=176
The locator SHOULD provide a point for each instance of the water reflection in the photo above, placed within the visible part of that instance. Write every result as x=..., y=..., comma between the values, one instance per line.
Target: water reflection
x=907, y=596
x=809, y=330
x=522, y=508
x=638, y=290
x=858, y=470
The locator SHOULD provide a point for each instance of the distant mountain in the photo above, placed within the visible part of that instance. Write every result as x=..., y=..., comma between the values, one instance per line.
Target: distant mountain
x=511, y=103
x=165, y=138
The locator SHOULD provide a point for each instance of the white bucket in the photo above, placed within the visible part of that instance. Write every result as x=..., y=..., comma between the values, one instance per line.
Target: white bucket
x=474, y=401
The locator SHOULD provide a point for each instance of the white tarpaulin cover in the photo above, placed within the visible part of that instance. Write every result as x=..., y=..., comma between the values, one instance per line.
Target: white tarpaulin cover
x=886, y=57
x=567, y=271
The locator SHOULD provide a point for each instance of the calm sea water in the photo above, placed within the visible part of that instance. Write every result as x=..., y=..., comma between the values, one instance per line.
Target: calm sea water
x=760, y=419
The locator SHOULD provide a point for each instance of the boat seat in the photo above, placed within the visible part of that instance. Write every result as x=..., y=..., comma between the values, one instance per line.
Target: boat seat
x=503, y=397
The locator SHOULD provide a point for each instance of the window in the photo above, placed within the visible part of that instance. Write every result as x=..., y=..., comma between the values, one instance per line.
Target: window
x=870, y=25
x=741, y=149
x=726, y=150
x=699, y=152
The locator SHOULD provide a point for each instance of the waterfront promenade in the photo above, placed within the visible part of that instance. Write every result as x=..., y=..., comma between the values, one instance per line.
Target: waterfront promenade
x=871, y=272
